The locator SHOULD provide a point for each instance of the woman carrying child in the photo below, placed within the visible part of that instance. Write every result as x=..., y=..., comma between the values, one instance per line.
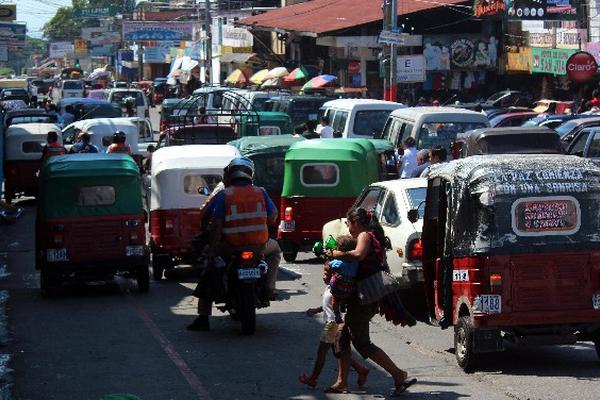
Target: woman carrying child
x=370, y=255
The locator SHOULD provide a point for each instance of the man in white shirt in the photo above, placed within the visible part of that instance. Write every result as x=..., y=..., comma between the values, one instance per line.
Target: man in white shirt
x=326, y=130
x=408, y=161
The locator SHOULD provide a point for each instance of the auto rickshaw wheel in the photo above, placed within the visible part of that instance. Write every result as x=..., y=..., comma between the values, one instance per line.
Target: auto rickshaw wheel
x=143, y=279
x=463, y=343
x=290, y=256
x=49, y=281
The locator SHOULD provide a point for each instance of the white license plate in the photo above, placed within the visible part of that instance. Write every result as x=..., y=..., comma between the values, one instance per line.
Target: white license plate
x=489, y=303
x=288, y=226
x=596, y=301
x=55, y=255
x=249, y=273
x=133, y=251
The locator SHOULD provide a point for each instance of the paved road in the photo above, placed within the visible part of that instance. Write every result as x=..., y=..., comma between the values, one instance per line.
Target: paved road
x=103, y=339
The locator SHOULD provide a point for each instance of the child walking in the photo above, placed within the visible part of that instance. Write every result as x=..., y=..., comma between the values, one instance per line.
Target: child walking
x=339, y=275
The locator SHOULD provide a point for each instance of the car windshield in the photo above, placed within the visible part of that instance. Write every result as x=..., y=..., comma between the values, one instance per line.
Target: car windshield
x=88, y=111
x=14, y=92
x=367, y=123
x=443, y=133
x=118, y=97
x=565, y=128
x=497, y=96
x=416, y=196
x=72, y=85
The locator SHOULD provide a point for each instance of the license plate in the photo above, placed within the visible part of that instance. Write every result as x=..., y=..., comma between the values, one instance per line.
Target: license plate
x=249, y=273
x=133, y=251
x=489, y=303
x=288, y=226
x=596, y=301
x=54, y=255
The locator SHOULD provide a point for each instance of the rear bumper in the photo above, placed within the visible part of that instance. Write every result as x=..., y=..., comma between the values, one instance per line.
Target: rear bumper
x=537, y=318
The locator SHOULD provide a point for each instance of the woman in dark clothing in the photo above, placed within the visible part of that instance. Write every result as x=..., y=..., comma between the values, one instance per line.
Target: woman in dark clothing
x=370, y=255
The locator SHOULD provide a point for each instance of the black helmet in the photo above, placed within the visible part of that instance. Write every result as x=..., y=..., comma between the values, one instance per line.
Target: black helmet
x=240, y=167
x=119, y=137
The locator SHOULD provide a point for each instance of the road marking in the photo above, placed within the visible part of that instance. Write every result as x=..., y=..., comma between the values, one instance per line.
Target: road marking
x=296, y=273
x=169, y=349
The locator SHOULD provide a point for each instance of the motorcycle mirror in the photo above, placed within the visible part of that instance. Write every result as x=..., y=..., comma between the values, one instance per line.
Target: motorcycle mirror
x=413, y=215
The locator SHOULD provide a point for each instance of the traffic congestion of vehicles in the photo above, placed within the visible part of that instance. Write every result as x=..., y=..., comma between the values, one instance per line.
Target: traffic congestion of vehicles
x=496, y=234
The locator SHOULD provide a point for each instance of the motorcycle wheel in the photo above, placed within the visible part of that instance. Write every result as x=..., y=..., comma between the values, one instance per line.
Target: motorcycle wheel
x=158, y=266
x=247, y=309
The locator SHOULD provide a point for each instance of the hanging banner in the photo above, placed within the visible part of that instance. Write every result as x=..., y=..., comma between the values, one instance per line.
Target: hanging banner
x=137, y=30
x=157, y=52
x=550, y=61
x=460, y=52
x=519, y=62
x=237, y=37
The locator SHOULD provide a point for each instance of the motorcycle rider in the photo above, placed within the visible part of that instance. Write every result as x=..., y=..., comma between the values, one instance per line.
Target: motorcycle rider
x=118, y=144
x=52, y=148
x=240, y=216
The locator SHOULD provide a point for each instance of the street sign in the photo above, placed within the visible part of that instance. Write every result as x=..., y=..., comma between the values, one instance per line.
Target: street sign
x=400, y=39
x=155, y=31
x=95, y=12
x=410, y=68
x=8, y=12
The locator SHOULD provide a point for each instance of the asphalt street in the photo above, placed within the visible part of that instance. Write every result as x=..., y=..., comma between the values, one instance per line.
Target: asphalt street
x=95, y=340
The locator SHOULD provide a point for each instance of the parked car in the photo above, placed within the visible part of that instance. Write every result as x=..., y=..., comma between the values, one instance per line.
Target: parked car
x=14, y=94
x=390, y=202
x=511, y=119
x=142, y=105
x=494, y=112
x=364, y=118
x=519, y=140
x=586, y=143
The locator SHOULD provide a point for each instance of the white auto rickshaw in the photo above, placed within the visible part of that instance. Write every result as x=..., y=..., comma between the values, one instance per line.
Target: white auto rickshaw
x=101, y=132
x=23, y=157
x=182, y=178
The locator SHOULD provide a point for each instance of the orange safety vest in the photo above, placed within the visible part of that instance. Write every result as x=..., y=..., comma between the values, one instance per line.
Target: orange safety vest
x=245, y=216
x=121, y=148
x=54, y=149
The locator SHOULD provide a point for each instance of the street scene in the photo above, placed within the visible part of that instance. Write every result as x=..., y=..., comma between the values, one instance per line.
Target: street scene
x=299, y=199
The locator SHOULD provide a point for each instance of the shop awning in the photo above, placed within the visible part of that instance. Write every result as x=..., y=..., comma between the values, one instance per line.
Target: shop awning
x=317, y=17
x=236, y=58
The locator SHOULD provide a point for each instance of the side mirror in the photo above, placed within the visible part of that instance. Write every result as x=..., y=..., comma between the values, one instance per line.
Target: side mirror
x=388, y=243
x=413, y=215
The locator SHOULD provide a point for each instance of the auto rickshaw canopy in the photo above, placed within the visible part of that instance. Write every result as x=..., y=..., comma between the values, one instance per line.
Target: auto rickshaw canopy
x=92, y=184
x=511, y=203
x=270, y=123
x=268, y=154
x=354, y=162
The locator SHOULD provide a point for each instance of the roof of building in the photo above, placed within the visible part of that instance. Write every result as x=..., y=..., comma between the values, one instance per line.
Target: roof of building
x=321, y=16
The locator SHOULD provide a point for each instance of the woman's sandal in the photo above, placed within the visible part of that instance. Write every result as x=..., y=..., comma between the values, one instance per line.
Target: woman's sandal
x=403, y=386
x=308, y=380
x=362, y=377
x=333, y=390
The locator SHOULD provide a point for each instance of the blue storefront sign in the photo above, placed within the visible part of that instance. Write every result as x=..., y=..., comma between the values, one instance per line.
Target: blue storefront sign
x=143, y=30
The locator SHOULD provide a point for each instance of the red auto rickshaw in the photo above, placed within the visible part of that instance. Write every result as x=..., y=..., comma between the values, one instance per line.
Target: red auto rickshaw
x=511, y=252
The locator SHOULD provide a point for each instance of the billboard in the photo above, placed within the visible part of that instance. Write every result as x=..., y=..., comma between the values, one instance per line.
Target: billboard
x=460, y=51
x=548, y=10
x=12, y=34
x=8, y=12
x=95, y=12
x=157, y=31
x=550, y=61
x=60, y=49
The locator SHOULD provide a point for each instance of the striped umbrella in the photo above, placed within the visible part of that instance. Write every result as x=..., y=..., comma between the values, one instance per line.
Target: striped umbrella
x=259, y=77
x=237, y=78
x=301, y=73
x=320, y=81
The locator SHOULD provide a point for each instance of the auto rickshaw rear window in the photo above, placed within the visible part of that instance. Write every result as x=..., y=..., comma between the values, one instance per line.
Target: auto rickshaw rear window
x=32, y=147
x=541, y=216
x=269, y=130
x=92, y=196
x=200, y=184
x=322, y=174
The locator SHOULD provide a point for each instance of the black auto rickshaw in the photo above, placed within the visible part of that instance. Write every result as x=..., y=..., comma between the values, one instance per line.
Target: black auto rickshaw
x=511, y=251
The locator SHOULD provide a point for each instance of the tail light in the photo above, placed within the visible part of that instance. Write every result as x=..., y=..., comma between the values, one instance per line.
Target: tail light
x=57, y=238
x=415, y=250
x=288, y=214
x=247, y=255
x=169, y=225
x=495, y=283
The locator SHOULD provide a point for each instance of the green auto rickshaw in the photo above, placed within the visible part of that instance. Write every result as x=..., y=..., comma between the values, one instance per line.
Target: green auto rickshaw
x=322, y=178
x=268, y=154
x=264, y=123
x=90, y=221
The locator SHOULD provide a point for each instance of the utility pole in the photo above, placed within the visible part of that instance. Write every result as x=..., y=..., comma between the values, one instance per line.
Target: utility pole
x=208, y=25
x=393, y=95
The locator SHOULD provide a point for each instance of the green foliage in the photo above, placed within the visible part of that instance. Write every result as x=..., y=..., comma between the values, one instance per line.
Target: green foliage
x=6, y=71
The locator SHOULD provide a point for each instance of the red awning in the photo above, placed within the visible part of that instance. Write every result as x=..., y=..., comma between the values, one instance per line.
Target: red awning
x=321, y=16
